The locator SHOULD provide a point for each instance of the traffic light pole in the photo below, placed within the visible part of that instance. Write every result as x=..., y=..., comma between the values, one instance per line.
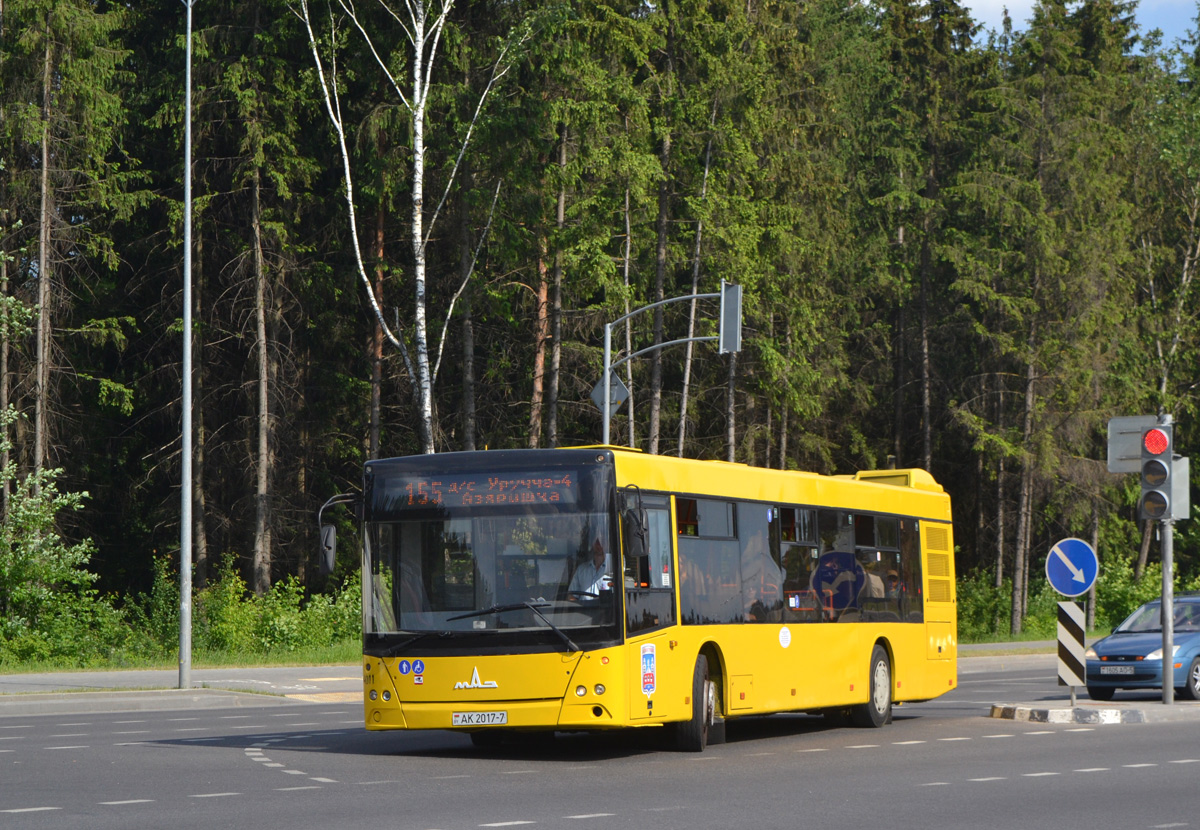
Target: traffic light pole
x=1167, y=543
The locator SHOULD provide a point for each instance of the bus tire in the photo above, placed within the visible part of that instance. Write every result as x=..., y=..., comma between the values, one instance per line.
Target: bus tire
x=692, y=735
x=878, y=709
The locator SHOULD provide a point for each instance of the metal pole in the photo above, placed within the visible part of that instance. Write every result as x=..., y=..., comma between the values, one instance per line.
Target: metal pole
x=1168, y=610
x=185, y=506
x=607, y=380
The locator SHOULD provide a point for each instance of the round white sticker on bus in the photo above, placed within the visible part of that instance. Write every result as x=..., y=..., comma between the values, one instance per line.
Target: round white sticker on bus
x=785, y=637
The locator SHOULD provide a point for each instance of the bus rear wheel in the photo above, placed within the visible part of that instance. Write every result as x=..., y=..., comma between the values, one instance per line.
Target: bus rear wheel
x=878, y=709
x=692, y=735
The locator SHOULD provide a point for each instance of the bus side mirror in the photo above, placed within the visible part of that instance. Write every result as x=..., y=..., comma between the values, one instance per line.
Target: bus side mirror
x=635, y=533
x=328, y=549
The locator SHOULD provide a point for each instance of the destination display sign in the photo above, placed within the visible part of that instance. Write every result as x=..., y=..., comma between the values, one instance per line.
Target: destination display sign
x=419, y=492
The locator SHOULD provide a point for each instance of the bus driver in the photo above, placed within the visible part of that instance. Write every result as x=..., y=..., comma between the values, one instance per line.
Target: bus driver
x=590, y=578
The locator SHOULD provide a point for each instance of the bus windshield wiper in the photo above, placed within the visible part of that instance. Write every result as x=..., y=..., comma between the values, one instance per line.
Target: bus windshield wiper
x=392, y=651
x=535, y=607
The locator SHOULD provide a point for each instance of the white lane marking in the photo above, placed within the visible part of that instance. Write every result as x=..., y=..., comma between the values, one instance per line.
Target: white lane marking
x=1094, y=769
x=295, y=772
x=1138, y=766
x=132, y=743
x=1039, y=774
x=71, y=735
x=748, y=755
x=233, y=717
x=212, y=795
x=128, y=801
x=75, y=724
x=1082, y=729
x=323, y=780
x=998, y=736
x=1186, y=761
x=864, y=746
x=192, y=729
x=79, y=746
x=28, y=727
x=180, y=720
x=132, y=732
x=937, y=784
x=821, y=749
x=518, y=772
x=31, y=810
x=435, y=778
x=1040, y=732
x=954, y=739
x=992, y=778
x=13, y=738
x=272, y=765
x=123, y=722
x=294, y=789
x=592, y=815
x=906, y=743
x=507, y=823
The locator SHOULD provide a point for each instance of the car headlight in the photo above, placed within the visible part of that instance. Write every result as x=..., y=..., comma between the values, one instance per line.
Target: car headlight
x=1091, y=654
x=1157, y=653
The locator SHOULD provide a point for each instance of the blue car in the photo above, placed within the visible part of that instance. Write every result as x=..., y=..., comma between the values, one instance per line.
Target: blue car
x=1131, y=657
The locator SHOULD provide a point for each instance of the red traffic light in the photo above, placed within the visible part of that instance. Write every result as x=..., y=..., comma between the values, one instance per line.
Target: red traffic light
x=1156, y=441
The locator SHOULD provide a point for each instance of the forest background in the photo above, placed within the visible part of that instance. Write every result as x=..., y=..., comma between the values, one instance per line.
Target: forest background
x=958, y=252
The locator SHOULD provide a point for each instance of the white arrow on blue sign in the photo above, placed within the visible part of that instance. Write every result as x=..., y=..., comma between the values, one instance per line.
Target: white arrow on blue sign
x=1072, y=567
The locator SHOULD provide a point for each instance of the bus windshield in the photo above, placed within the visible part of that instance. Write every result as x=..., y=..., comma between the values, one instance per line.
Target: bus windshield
x=446, y=555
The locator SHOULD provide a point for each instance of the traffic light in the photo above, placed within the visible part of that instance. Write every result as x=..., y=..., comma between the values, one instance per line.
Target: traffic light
x=1158, y=448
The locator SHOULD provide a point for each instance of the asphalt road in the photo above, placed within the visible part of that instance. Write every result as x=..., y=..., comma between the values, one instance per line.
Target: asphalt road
x=299, y=765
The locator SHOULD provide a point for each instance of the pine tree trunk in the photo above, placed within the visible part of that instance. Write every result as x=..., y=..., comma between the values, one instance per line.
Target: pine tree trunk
x=469, y=425
x=45, y=217
x=1024, y=501
x=660, y=279
x=262, y=491
x=691, y=331
x=560, y=221
x=625, y=266
x=199, y=499
x=541, y=333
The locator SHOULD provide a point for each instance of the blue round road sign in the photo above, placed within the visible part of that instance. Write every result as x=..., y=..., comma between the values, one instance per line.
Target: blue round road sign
x=1072, y=567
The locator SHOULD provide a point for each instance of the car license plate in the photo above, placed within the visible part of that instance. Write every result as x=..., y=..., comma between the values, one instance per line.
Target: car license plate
x=1116, y=669
x=479, y=718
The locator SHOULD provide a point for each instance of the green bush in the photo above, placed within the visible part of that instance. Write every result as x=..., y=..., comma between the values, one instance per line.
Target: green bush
x=225, y=617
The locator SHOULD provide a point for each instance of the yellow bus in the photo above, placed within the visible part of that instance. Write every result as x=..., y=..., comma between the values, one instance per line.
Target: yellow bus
x=601, y=588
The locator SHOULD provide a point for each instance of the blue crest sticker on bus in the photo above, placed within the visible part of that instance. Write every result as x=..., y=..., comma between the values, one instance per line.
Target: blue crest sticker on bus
x=648, y=669
x=405, y=667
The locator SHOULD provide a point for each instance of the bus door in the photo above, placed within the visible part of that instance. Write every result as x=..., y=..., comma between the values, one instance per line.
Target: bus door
x=650, y=613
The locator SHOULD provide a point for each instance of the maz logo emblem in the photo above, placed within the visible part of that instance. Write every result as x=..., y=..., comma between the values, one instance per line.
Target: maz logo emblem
x=476, y=683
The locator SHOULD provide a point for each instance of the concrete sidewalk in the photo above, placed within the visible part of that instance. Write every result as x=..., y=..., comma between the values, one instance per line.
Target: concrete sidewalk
x=158, y=689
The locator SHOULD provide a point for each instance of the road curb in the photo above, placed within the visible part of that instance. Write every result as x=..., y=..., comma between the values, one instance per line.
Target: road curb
x=1077, y=715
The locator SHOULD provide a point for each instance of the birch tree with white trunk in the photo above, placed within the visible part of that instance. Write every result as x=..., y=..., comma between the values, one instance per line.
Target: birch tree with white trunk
x=422, y=24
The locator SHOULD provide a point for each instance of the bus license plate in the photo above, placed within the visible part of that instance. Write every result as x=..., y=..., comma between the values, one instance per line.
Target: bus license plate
x=479, y=718
x=1116, y=669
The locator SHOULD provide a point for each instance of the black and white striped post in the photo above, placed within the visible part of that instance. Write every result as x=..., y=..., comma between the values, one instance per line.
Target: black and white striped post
x=1072, y=665
x=1072, y=568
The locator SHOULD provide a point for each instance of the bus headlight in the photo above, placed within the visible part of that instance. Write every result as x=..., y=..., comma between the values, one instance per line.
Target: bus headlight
x=599, y=689
x=373, y=694
x=580, y=691
x=387, y=695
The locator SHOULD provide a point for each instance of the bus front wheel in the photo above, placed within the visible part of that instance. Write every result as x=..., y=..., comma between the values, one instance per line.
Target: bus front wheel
x=878, y=709
x=692, y=735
